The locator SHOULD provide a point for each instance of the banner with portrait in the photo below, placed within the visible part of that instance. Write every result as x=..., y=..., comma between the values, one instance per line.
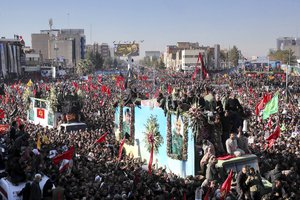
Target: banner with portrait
x=177, y=133
x=124, y=123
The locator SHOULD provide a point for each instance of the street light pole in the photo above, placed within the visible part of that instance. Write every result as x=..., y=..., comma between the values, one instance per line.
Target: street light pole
x=286, y=76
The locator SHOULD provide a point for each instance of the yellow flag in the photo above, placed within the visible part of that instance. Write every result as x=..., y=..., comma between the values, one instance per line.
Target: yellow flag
x=38, y=142
x=45, y=139
x=29, y=84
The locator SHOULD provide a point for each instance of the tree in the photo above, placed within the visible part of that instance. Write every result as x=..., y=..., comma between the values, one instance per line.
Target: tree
x=108, y=62
x=96, y=59
x=234, y=56
x=285, y=56
x=85, y=66
x=161, y=64
x=115, y=63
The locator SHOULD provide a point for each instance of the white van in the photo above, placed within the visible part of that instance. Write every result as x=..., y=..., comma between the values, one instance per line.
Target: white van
x=9, y=191
x=72, y=127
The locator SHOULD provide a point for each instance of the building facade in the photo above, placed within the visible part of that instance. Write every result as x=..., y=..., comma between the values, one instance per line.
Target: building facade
x=286, y=43
x=105, y=51
x=184, y=55
x=55, y=44
x=152, y=55
x=11, y=54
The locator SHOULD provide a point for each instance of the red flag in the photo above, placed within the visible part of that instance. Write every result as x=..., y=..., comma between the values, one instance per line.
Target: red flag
x=99, y=78
x=68, y=155
x=250, y=90
x=103, y=89
x=169, y=89
x=270, y=122
x=266, y=98
x=275, y=134
x=206, y=197
x=75, y=85
x=156, y=93
x=64, y=165
x=121, y=148
x=2, y=113
x=18, y=121
x=196, y=68
x=90, y=78
x=102, y=138
x=257, y=109
x=225, y=188
x=108, y=92
x=226, y=157
x=40, y=113
x=151, y=159
x=204, y=71
x=271, y=142
x=101, y=103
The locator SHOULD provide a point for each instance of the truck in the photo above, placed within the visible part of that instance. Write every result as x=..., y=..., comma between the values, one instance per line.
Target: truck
x=236, y=164
x=40, y=113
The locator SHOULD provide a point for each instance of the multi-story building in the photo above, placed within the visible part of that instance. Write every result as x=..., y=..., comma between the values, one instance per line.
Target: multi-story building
x=11, y=54
x=184, y=55
x=189, y=59
x=55, y=44
x=152, y=55
x=104, y=50
x=286, y=43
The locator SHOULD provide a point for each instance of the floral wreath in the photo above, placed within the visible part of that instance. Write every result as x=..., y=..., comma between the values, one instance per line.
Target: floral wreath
x=152, y=134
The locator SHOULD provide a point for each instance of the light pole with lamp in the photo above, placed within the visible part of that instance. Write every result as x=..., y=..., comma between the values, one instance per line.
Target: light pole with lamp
x=286, y=76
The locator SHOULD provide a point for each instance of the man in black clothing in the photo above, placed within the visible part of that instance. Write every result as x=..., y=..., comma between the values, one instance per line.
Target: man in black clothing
x=47, y=190
x=13, y=131
x=242, y=187
x=25, y=192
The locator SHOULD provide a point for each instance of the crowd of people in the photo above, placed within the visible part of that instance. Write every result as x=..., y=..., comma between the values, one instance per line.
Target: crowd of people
x=95, y=171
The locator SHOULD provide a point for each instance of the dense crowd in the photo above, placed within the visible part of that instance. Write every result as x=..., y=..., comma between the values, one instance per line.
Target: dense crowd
x=95, y=172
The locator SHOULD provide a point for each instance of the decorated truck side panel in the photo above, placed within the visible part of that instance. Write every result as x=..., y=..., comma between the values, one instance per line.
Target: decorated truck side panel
x=39, y=113
x=175, y=150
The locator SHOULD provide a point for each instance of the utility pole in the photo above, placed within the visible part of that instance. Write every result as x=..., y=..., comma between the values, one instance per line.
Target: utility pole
x=286, y=76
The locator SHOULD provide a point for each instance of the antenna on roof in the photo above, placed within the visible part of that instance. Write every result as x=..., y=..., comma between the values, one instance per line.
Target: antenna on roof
x=50, y=23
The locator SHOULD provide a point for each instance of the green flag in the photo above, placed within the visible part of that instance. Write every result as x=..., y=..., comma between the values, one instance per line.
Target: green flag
x=271, y=107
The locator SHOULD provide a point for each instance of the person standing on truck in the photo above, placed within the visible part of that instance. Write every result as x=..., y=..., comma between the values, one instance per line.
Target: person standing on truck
x=232, y=147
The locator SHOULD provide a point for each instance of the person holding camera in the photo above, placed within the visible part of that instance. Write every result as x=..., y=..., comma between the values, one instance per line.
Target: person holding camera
x=254, y=183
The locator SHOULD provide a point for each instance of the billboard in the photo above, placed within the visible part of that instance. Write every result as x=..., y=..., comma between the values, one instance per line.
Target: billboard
x=127, y=49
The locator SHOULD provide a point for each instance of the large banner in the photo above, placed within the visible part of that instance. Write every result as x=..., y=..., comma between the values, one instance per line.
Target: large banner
x=127, y=50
